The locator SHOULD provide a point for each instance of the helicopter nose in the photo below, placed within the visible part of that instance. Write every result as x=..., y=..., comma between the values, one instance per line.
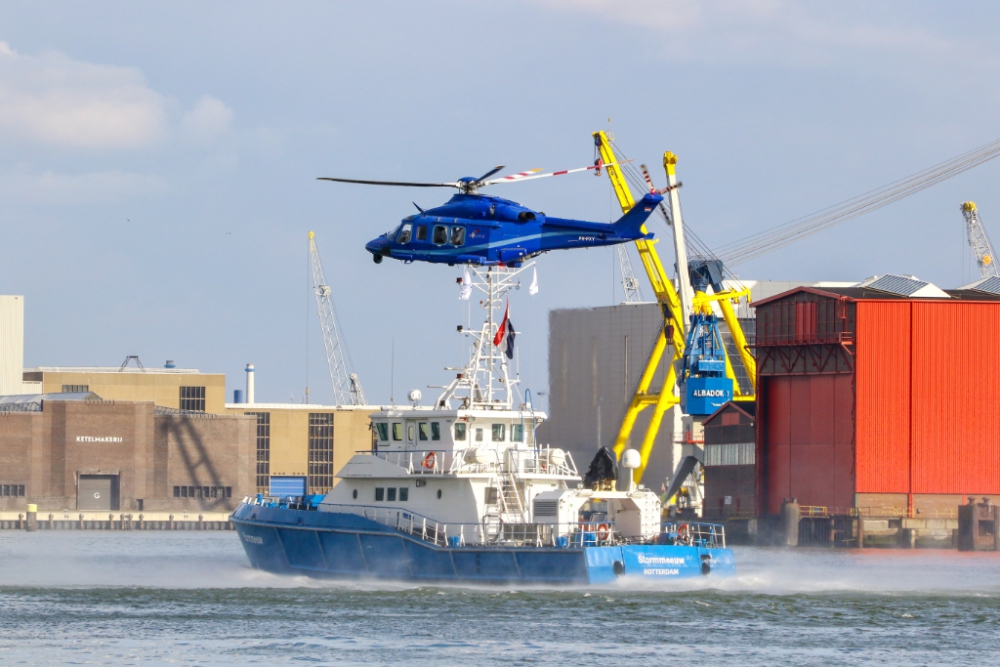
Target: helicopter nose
x=377, y=246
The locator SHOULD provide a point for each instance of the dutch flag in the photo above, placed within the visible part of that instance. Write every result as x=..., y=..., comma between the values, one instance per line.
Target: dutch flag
x=505, y=334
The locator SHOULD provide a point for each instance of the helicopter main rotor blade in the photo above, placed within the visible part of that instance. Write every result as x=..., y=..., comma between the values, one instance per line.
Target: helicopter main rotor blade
x=489, y=173
x=396, y=183
x=523, y=177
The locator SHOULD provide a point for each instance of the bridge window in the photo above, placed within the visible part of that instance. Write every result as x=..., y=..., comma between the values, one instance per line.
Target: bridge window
x=498, y=432
x=435, y=431
x=383, y=431
x=397, y=431
x=479, y=435
x=422, y=430
x=392, y=494
x=516, y=433
x=458, y=235
x=379, y=494
x=409, y=432
x=404, y=233
x=404, y=494
x=460, y=431
x=440, y=234
x=422, y=232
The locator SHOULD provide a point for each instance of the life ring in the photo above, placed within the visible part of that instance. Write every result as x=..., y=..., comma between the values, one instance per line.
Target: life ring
x=602, y=532
x=429, y=461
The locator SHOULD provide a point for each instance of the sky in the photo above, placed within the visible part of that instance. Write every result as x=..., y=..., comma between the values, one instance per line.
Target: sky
x=158, y=160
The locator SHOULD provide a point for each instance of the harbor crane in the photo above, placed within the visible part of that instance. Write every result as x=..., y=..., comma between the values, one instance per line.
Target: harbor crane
x=982, y=249
x=677, y=306
x=346, y=386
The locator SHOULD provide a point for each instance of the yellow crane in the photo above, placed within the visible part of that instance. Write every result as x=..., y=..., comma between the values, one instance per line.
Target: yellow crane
x=675, y=307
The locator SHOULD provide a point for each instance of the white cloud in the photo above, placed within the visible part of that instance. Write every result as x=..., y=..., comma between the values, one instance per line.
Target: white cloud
x=49, y=187
x=208, y=119
x=54, y=100
x=788, y=33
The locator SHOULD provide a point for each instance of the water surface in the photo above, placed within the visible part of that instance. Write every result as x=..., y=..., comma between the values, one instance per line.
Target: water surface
x=190, y=598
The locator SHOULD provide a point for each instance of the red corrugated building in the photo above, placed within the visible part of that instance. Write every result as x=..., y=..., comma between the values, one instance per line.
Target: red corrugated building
x=877, y=397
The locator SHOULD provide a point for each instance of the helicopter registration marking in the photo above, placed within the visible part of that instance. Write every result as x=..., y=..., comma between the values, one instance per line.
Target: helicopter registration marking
x=586, y=238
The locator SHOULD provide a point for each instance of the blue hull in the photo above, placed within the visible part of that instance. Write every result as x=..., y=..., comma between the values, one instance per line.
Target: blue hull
x=330, y=545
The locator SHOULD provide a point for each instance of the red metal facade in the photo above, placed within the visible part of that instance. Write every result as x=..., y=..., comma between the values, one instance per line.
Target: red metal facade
x=807, y=433
x=955, y=422
x=883, y=397
x=876, y=396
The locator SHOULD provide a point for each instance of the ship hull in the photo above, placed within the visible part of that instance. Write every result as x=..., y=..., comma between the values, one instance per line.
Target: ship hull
x=348, y=546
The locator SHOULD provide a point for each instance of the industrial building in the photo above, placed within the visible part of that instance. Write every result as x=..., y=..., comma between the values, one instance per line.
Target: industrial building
x=876, y=399
x=155, y=438
x=729, y=463
x=75, y=451
x=596, y=357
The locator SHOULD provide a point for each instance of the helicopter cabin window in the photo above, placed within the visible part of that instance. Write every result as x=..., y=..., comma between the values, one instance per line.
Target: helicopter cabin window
x=458, y=235
x=498, y=432
x=440, y=234
x=422, y=232
x=422, y=430
x=397, y=431
x=516, y=433
x=383, y=431
x=479, y=435
x=435, y=431
x=460, y=432
x=404, y=233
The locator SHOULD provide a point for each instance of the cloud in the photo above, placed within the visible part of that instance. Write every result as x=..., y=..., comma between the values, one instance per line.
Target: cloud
x=48, y=187
x=788, y=34
x=208, y=119
x=53, y=100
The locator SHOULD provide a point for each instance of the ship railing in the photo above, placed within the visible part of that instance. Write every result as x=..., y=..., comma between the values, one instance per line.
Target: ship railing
x=698, y=534
x=536, y=460
x=418, y=461
x=485, y=534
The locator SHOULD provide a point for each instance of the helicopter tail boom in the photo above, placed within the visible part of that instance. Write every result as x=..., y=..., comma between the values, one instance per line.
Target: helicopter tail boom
x=631, y=223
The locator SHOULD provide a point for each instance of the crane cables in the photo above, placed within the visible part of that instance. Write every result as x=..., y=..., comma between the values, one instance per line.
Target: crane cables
x=701, y=249
x=755, y=245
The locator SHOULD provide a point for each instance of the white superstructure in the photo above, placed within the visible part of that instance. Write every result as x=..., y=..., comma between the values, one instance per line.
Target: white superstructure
x=470, y=468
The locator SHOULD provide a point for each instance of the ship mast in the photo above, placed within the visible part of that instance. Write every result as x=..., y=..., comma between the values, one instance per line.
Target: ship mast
x=484, y=383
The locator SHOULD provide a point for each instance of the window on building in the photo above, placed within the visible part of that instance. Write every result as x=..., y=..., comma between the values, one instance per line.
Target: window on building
x=379, y=494
x=422, y=430
x=75, y=388
x=320, y=452
x=440, y=235
x=516, y=433
x=422, y=232
x=459, y=431
x=193, y=398
x=12, y=490
x=498, y=432
x=392, y=494
x=404, y=494
x=404, y=234
x=397, y=431
x=458, y=236
x=177, y=492
x=479, y=435
x=383, y=431
x=435, y=431
x=263, y=450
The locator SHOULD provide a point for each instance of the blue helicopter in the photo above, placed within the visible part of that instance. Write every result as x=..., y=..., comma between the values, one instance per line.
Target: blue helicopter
x=480, y=229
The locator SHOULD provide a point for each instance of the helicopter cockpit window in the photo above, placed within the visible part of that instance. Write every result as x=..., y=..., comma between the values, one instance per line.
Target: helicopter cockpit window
x=404, y=233
x=458, y=235
x=421, y=232
x=440, y=234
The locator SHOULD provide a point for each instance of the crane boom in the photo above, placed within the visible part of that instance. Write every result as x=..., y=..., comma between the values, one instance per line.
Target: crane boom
x=346, y=388
x=676, y=309
x=979, y=241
